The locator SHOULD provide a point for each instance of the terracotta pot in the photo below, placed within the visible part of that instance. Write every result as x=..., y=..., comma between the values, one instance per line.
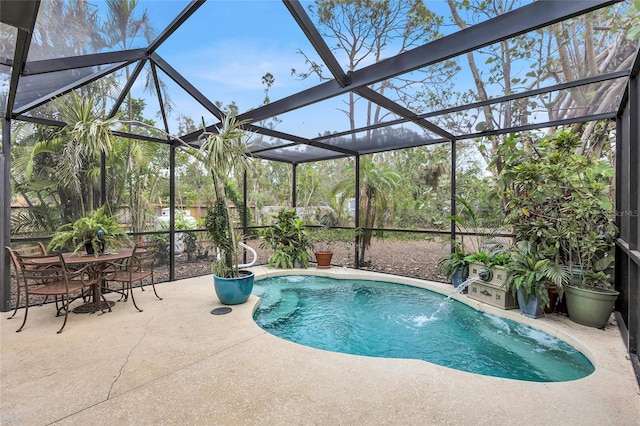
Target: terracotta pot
x=324, y=259
x=553, y=299
x=555, y=306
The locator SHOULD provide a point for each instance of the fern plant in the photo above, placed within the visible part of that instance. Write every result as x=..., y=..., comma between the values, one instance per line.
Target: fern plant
x=449, y=263
x=95, y=231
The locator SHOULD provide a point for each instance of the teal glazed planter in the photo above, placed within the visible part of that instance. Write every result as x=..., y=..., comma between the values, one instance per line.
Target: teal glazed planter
x=234, y=291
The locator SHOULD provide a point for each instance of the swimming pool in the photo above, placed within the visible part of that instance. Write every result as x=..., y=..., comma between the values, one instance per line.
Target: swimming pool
x=379, y=319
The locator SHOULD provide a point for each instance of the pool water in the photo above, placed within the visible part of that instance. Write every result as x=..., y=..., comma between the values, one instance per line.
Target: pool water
x=389, y=320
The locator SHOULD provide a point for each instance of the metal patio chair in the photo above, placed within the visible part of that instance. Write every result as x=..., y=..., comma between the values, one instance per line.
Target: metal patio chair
x=48, y=275
x=137, y=268
x=37, y=249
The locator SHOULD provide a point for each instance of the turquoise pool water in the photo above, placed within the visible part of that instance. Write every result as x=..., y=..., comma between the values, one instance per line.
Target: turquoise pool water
x=389, y=320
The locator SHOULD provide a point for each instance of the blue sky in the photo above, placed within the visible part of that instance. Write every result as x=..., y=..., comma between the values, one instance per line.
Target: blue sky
x=226, y=47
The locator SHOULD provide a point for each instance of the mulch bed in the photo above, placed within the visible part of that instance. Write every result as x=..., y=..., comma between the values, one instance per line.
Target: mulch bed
x=416, y=259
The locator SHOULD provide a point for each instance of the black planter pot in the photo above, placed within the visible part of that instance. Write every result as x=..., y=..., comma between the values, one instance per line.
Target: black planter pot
x=89, y=248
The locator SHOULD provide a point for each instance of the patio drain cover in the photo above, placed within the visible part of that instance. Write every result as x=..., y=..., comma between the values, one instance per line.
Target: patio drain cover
x=221, y=311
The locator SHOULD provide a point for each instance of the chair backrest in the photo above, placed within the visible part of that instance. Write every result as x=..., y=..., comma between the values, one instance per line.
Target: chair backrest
x=37, y=249
x=143, y=257
x=42, y=269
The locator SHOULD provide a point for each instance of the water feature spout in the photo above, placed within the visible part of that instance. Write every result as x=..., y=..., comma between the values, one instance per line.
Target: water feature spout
x=463, y=285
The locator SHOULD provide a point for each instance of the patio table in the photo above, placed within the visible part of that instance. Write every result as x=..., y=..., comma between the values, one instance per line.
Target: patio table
x=98, y=265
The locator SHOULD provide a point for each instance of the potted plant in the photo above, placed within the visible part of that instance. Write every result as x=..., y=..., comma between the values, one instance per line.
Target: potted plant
x=92, y=232
x=321, y=247
x=488, y=278
x=455, y=265
x=591, y=298
x=489, y=266
x=572, y=223
x=223, y=152
x=289, y=240
x=530, y=274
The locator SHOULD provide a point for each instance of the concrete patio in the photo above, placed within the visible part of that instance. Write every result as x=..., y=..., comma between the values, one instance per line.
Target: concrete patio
x=175, y=363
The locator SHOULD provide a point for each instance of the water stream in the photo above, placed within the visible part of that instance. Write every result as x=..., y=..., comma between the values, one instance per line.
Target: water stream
x=463, y=285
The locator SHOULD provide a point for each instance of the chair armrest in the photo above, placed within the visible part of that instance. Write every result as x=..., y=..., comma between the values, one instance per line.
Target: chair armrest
x=88, y=274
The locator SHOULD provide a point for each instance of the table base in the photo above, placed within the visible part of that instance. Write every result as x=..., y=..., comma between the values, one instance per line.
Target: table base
x=90, y=307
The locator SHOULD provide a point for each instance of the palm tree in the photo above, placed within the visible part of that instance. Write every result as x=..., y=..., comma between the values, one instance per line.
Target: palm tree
x=32, y=181
x=83, y=140
x=64, y=164
x=61, y=23
x=377, y=183
x=122, y=27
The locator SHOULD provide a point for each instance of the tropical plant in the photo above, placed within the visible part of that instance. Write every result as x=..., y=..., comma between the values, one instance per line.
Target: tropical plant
x=377, y=183
x=450, y=263
x=477, y=257
x=67, y=160
x=491, y=250
x=222, y=153
x=466, y=221
x=495, y=258
x=126, y=23
x=288, y=238
x=531, y=272
x=499, y=259
x=598, y=276
x=95, y=231
x=559, y=201
x=476, y=248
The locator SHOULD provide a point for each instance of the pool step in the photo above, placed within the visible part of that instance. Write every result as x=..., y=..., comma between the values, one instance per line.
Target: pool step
x=285, y=307
x=267, y=298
